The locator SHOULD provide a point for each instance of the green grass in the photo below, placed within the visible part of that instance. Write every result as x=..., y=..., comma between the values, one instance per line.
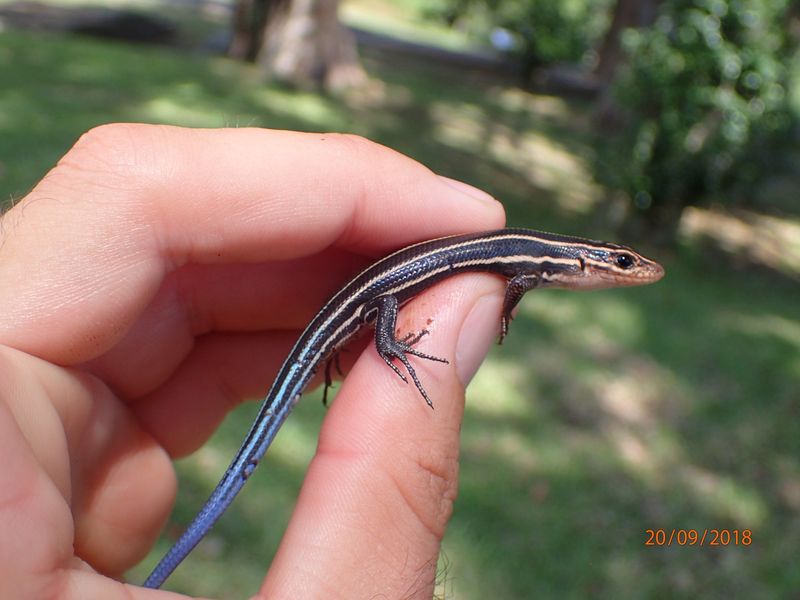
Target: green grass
x=406, y=19
x=605, y=414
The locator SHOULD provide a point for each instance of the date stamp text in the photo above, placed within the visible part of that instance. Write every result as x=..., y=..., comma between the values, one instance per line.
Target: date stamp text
x=698, y=537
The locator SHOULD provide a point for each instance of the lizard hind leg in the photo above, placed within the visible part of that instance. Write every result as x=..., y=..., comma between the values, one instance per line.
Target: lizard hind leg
x=333, y=361
x=390, y=347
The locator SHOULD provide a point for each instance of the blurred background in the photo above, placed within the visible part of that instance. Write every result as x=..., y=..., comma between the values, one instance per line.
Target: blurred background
x=669, y=125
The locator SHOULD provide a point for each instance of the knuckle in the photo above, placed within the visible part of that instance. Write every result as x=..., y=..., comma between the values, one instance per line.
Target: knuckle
x=120, y=157
x=92, y=167
x=111, y=149
x=360, y=154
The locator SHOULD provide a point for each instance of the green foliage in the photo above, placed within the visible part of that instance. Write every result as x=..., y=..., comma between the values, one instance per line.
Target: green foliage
x=543, y=32
x=706, y=103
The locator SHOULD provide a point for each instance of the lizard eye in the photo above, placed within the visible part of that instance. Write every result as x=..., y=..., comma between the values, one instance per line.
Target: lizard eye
x=624, y=261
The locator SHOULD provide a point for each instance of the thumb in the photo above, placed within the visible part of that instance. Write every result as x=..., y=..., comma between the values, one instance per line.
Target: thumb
x=379, y=492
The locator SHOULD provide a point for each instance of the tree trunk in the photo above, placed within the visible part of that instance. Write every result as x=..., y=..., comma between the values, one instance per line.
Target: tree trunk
x=250, y=18
x=627, y=14
x=305, y=44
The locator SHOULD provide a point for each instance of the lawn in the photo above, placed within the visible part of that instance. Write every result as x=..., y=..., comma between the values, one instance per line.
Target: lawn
x=604, y=414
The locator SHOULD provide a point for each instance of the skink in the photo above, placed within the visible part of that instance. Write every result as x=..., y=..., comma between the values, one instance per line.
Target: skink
x=527, y=259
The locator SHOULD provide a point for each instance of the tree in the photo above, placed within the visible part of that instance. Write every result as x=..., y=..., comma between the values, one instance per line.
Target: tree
x=626, y=14
x=249, y=20
x=706, y=97
x=298, y=41
x=541, y=32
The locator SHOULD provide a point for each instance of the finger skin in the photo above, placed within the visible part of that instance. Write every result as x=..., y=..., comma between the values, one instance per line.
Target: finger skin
x=122, y=258
x=130, y=204
x=379, y=492
x=236, y=298
x=98, y=464
x=39, y=489
x=141, y=242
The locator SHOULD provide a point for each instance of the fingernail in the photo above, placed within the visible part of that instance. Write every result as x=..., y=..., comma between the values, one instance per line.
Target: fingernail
x=478, y=333
x=469, y=190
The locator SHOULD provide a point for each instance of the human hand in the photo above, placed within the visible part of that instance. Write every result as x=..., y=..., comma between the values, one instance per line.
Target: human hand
x=155, y=278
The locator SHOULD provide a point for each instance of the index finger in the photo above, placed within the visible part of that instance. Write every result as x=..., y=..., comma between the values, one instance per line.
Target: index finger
x=86, y=251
